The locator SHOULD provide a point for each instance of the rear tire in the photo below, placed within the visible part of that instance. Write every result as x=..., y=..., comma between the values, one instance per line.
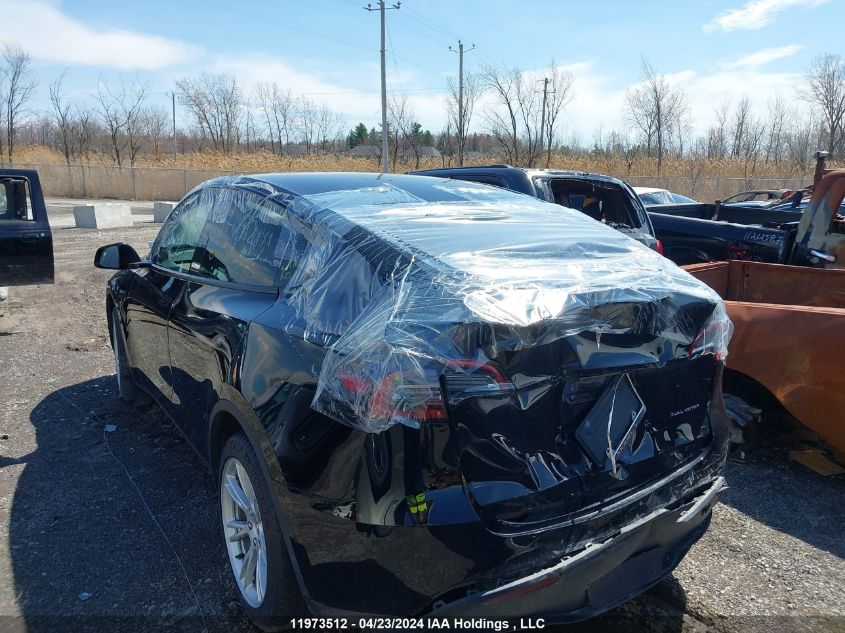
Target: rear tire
x=267, y=589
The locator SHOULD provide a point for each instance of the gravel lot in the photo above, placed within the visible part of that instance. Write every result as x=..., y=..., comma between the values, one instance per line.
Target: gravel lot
x=79, y=549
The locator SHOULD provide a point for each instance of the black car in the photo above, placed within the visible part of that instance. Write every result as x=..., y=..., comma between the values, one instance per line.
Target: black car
x=603, y=198
x=423, y=396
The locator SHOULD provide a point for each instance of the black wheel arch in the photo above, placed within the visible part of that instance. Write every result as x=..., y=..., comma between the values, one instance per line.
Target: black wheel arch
x=227, y=418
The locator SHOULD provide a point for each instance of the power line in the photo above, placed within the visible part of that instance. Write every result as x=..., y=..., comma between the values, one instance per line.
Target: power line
x=431, y=24
x=395, y=65
x=267, y=20
x=417, y=31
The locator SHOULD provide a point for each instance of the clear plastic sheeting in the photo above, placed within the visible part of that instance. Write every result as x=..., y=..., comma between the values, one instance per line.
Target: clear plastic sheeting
x=424, y=290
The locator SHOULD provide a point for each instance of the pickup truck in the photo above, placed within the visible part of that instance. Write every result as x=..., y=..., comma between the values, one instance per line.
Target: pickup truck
x=26, y=242
x=787, y=341
x=606, y=199
x=812, y=236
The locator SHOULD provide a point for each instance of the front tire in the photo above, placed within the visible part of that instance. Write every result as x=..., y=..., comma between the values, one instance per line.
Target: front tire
x=258, y=558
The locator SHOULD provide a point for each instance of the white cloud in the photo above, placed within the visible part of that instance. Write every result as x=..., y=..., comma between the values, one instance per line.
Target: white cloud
x=707, y=92
x=763, y=56
x=599, y=101
x=47, y=33
x=755, y=14
x=358, y=101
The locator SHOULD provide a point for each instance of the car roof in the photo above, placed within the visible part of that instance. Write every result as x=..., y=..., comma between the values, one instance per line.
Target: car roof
x=639, y=190
x=529, y=171
x=439, y=218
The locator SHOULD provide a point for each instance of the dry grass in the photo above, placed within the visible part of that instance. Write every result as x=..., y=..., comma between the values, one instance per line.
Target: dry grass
x=157, y=177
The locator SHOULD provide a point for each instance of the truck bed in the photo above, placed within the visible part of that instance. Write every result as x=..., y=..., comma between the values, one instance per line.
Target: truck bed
x=788, y=325
x=755, y=282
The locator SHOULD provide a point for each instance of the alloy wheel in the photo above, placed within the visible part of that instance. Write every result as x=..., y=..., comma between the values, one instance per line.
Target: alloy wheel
x=244, y=532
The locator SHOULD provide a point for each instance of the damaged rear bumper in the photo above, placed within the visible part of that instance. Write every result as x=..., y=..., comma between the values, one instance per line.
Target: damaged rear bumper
x=602, y=575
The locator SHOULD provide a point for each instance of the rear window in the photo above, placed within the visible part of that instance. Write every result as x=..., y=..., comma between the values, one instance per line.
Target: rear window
x=606, y=202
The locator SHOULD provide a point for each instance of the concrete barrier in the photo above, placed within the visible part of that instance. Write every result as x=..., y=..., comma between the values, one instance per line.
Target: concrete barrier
x=102, y=216
x=161, y=210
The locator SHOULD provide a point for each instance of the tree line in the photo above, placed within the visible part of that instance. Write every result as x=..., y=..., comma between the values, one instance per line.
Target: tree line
x=501, y=111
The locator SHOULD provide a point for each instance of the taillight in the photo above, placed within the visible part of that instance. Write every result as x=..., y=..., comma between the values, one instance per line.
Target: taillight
x=406, y=399
x=659, y=246
x=712, y=339
x=471, y=379
x=395, y=398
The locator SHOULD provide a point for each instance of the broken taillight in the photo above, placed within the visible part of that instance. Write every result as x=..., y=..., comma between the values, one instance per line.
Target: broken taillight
x=407, y=399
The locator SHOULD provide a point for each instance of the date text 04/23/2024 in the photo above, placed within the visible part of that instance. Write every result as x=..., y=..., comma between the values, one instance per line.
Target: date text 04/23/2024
x=418, y=624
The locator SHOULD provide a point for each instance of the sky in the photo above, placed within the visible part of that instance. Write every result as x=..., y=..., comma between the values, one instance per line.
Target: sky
x=329, y=49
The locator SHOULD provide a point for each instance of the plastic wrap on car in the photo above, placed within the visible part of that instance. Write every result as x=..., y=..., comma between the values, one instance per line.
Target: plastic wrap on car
x=400, y=290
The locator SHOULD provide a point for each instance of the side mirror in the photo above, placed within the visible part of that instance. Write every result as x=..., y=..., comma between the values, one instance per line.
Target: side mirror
x=718, y=202
x=115, y=257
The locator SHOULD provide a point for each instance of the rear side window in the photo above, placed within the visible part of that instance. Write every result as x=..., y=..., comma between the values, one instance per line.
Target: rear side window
x=14, y=200
x=246, y=241
x=181, y=234
x=484, y=180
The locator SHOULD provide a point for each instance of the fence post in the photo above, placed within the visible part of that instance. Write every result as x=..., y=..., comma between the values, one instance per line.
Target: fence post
x=134, y=183
x=185, y=174
x=84, y=181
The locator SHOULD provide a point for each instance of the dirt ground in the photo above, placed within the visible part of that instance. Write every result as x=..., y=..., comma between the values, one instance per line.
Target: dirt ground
x=90, y=542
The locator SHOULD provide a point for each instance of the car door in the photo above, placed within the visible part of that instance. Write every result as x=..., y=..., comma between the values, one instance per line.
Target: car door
x=154, y=290
x=26, y=242
x=236, y=268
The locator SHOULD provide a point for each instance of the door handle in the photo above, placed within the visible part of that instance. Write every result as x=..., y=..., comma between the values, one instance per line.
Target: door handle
x=31, y=237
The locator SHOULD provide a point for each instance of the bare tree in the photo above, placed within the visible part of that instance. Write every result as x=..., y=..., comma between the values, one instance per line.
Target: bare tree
x=654, y=106
x=503, y=120
x=472, y=90
x=400, y=115
x=515, y=119
x=62, y=116
x=215, y=101
x=776, y=129
x=120, y=111
x=18, y=88
x=739, y=129
x=306, y=114
x=84, y=131
x=154, y=128
x=826, y=80
x=329, y=128
x=718, y=132
x=559, y=96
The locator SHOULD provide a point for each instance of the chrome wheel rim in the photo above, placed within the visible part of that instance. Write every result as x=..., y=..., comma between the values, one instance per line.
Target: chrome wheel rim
x=244, y=532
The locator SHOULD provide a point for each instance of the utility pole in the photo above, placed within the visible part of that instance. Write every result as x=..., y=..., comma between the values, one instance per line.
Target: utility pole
x=461, y=134
x=173, y=101
x=543, y=115
x=381, y=9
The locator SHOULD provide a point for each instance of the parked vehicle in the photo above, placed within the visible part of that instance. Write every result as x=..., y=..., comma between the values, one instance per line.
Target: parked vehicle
x=603, y=198
x=26, y=241
x=788, y=339
x=810, y=236
x=651, y=196
x=422, y=396
x=757, y=197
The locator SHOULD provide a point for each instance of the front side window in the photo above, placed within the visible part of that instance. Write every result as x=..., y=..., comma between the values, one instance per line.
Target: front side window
x=247, y=240
x=181, y=234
